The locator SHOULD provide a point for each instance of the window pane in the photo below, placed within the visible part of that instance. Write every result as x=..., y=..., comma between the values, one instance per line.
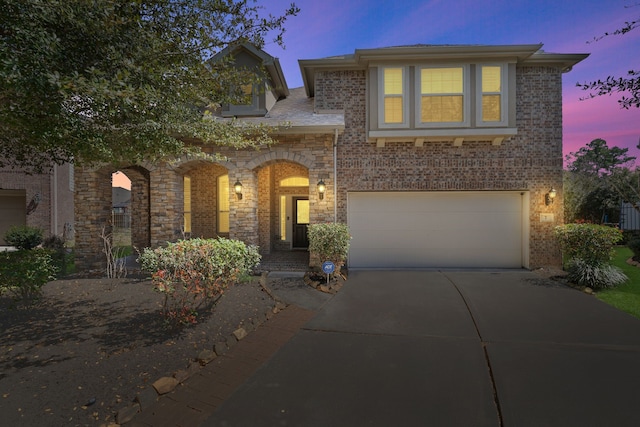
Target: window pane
x=295, y=181
x=491, y=79
x=441, y=80
x=283, y=217
x=393, y=81
x=186, y=189
x=393, y=110
x=223, y=204
x=491, y=108
x=439, y=109
x=302, y=211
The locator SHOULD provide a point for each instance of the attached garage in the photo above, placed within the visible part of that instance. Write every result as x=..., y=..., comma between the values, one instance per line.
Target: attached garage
x=462, y=229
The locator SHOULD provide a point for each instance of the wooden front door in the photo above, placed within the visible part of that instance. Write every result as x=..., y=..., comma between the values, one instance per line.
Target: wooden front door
x=300, y=222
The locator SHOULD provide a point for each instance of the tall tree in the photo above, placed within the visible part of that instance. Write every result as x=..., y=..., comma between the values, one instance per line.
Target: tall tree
x=598, y=178
x=629, y=85
x=111, y=80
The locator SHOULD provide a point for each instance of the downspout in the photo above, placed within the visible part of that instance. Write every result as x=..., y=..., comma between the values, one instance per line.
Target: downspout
x=54, y=216
x=335, y=175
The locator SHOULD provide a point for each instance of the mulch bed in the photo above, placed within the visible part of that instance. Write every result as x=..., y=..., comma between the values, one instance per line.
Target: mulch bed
x=91, y=345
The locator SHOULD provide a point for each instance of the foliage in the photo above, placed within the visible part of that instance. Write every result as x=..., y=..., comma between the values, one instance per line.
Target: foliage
x=625, y=297
x=634, y=245
x=58, y=253
x=597, y=179
x=597, y=159
x=23, y=236
x=595, y=276
x=107, y=81
x=24, y=272
x=630, y=84
x=590, y=243
x=330, y=241
x=196, y=272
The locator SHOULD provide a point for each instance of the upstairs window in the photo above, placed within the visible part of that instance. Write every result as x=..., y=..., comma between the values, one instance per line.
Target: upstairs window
x=443, y=94
x=394, y=97
x=492, y=96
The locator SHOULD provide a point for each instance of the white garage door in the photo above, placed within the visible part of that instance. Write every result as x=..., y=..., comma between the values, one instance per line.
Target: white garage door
x=436, y=229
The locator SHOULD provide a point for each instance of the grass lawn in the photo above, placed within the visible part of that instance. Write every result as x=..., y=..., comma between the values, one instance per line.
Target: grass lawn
x=625, y=297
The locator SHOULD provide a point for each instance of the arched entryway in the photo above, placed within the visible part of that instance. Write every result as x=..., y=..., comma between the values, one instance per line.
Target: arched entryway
x=284, y=209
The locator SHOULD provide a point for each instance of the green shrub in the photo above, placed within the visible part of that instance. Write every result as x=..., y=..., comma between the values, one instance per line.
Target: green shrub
x=23, y=236
x=598, y=276
x=58, y=253
x=589, y=242
x=634, y=245
x=330, y=241
x=192, y=273
x=24, y=272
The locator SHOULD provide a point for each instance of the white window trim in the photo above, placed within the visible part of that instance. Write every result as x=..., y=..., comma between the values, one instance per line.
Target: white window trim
x=504, y=100
x=405, y=99
x=466, y=98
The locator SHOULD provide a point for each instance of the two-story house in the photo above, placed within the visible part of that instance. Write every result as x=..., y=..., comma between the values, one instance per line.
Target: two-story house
x=435, y=156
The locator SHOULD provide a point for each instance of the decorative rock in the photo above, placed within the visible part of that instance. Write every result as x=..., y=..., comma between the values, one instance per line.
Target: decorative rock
x=220, y=348
x=164, y=385
x=146, y=398
x=231, y=341
x=324, y=288
x=206, y=356
x=127, y=413
x=588, y=290
x=240, y=333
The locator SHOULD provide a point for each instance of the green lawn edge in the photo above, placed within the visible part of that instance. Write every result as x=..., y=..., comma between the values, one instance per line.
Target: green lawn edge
x=625, y=297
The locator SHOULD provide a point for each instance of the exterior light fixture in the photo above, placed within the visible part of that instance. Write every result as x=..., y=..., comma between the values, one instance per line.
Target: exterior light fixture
x=238, y=189
x=321, y=189
x=550, y=197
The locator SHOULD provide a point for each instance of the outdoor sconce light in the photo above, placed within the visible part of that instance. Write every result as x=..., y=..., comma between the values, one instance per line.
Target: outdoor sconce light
x=321, y=189
x=550, y=196
x=238, y=188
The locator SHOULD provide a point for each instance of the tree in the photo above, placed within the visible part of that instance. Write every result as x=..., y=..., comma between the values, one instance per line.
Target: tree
x=629, y=84
x=108, y=80
x=598, y=178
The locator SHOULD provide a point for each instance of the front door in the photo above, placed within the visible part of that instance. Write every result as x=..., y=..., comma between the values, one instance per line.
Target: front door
x=300, y=222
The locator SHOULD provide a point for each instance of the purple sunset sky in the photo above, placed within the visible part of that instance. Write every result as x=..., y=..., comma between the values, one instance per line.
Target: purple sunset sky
x=334, y=27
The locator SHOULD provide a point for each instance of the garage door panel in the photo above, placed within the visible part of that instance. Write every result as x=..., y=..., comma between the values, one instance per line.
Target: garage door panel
x=435, y=229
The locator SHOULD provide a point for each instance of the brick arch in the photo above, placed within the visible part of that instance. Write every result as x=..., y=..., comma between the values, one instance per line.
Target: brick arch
x=279, y=155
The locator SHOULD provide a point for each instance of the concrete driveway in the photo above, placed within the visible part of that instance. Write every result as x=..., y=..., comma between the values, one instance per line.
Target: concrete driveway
x=449, y=348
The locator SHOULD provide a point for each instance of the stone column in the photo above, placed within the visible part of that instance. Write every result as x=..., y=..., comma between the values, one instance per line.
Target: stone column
x=92, y=214
x=166, y=207
x=243, y=213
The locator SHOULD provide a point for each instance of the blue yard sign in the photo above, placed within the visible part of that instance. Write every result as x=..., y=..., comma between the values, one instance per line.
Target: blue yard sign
x=328, y=267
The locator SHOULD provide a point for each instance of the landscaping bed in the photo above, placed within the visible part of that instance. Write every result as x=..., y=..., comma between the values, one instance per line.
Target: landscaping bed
x=89, y=346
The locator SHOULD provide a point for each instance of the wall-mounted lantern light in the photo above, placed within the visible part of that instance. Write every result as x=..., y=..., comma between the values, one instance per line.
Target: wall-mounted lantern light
x=550, y=197
x=238, y=189
x=321, y=189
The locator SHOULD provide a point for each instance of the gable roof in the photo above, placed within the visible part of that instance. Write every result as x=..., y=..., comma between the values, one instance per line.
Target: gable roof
x=361, y=59
x=270, y=63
